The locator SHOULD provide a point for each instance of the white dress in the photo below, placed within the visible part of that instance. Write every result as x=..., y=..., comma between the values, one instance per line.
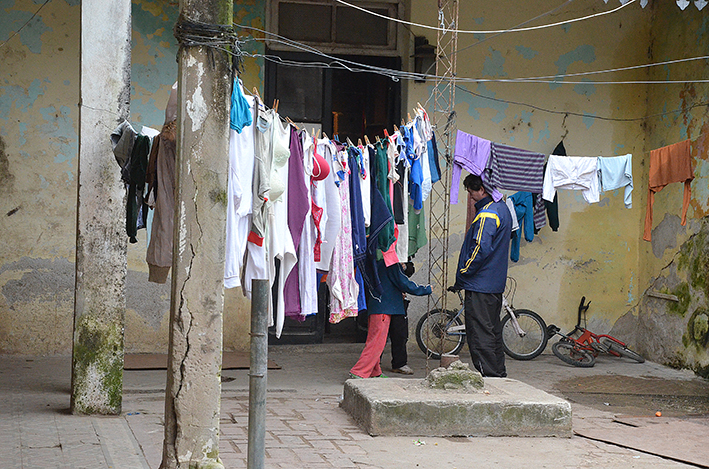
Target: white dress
x=239, y=201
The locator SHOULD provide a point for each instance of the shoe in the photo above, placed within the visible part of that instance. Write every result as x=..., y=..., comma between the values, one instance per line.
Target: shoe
x=354, y=376
x=404, y=370
x=381, y=376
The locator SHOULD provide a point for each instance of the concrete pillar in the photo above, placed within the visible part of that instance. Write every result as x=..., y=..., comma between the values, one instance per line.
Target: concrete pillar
x=99, y=306
x=192, y=402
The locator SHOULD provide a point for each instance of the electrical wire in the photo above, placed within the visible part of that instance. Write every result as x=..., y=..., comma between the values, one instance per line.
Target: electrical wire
x=493, y=31
x=578, y=114
x=399, y=74
x=619, y=69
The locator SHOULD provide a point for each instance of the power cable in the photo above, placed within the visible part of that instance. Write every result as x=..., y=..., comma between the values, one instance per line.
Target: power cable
x=578, y=114
x=356, y=67
x=494, y=31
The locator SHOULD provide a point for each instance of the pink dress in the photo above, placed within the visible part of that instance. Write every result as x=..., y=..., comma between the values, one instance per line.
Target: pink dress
x=341, y=279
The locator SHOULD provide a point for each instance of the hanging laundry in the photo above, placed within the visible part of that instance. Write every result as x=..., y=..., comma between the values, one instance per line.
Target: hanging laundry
x=524, y=213
x=341, y=278
x=281, y=251
x=307, y=273
x=131, y=151
x=298, y=209
x=257, y=263
x=542, y=207
x=328, y=196
x=669, y=164
x=511, y=207
x=472, y=154
x=433, y=156
x=416, y=181
x=515, y=169
x=240, y=114
x=160, y=177
x=380, y=170
x=572, y=173
x=239, y=192
x=364, y=184
x=359, y=231
x=417, y=230
x=616, y=172
x=421, y=152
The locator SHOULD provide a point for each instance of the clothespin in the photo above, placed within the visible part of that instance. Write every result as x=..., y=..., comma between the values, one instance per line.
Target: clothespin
x=386, y=134
x=324, y=135
x=409, y=116
x=292, y=123
x=396, y=129
x=275, y=104
x=257, y=94
x=378, y=139
x=317, y=135
x=419, y=106
x=366, y=139
x=403, y=122
x=349, y=142
x=359, y=142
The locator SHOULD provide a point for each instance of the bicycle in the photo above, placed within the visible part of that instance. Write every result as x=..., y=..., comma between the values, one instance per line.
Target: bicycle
x=580, y=347
x=524, y=332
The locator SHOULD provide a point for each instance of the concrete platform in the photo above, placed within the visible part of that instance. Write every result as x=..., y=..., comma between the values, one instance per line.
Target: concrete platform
x=408, y=407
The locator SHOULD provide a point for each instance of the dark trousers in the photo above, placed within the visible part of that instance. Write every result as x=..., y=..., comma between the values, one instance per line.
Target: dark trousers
x=484, y=332
x=399, y=335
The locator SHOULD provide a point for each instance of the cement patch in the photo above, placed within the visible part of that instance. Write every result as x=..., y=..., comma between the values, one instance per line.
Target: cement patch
x=407, y=407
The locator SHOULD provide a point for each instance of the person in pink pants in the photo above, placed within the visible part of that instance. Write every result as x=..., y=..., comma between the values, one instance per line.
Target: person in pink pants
x=391, y=302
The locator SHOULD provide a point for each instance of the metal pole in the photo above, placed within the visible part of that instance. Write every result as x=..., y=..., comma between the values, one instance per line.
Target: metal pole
x=257, y=374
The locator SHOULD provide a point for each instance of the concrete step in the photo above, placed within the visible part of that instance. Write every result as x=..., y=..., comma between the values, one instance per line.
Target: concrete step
x=409, y=407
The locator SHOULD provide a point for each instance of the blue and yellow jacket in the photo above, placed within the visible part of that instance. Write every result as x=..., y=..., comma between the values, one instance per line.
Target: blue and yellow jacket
x=482, y=265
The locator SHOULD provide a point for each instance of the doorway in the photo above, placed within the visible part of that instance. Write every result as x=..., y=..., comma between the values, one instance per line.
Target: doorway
x=343, y=104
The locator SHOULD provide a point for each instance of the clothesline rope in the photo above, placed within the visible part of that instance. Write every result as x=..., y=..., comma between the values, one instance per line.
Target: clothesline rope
x=399, y=74
x=492, y=31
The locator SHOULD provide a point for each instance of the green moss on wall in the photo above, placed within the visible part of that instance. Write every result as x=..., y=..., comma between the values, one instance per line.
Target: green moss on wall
x=681, y=291
x=98, y=367
x=697, y=334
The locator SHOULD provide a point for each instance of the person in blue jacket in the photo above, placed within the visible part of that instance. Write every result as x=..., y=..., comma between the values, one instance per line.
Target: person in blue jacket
x=381, y=309
x=482, y=273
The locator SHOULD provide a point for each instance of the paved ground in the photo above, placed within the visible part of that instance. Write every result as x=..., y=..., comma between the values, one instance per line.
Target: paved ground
x=615, y=401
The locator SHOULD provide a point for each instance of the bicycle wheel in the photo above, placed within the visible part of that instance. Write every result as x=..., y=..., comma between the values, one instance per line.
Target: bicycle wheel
x=532, y=343
x=431, y=335
x=622, y=350
x=568, y=353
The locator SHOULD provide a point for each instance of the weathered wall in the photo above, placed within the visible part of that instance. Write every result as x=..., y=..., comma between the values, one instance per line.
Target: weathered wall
x=677, y=259
x=39, y=94
x=595, y=251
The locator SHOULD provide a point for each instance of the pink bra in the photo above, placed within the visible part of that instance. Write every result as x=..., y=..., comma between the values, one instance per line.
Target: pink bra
x=320, y=167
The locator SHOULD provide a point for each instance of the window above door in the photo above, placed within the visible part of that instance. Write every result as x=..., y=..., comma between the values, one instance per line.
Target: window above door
x=334, y=27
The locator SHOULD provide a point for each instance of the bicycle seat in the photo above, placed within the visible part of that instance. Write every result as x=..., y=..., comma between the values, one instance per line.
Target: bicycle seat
x=454, y=289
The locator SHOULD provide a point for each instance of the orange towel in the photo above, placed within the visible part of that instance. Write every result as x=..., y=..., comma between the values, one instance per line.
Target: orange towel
x=669, y=164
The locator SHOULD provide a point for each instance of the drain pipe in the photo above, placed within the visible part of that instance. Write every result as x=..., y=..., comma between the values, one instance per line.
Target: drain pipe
x=257, y=374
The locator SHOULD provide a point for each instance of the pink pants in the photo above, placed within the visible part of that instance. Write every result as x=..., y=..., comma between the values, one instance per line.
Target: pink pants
x=368, y=364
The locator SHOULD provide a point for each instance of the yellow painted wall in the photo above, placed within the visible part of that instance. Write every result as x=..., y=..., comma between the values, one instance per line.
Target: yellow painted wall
x=597, y=252
x=39, y=96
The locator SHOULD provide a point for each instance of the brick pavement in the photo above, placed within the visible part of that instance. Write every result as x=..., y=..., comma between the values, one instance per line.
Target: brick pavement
x=305, y=427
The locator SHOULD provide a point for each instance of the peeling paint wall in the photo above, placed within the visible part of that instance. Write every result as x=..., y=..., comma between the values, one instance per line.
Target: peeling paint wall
x=597, y=252
x=39, y=96
x=677, y=259
x=596, y=249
